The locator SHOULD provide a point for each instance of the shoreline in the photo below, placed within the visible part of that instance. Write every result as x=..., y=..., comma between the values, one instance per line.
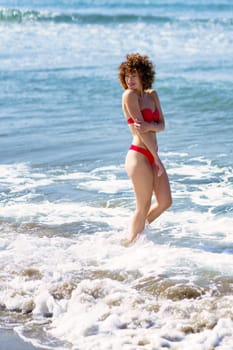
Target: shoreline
x=9, y=340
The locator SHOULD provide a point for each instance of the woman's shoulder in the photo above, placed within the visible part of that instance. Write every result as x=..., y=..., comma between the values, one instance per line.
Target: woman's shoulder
x=129, y=94
x=153, y=93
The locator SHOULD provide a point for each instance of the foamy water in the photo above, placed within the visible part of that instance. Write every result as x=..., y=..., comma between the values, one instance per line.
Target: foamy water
x=66, y=263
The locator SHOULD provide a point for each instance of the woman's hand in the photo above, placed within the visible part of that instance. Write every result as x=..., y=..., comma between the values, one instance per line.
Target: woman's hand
x=144, y=127
x=158, y=166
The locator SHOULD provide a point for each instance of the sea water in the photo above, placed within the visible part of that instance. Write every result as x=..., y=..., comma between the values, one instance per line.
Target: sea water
x=67, y=280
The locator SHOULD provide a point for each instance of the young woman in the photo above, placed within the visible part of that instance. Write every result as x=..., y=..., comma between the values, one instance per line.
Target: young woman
x=143, y=113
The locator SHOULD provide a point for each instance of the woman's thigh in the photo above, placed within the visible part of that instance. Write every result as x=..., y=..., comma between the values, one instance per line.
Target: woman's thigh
x=141, y=174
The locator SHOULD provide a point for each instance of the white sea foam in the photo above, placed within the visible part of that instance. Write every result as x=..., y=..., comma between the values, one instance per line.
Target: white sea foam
x=114, y=311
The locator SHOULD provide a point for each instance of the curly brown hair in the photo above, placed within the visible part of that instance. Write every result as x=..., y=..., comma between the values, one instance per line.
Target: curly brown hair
x=140, y=64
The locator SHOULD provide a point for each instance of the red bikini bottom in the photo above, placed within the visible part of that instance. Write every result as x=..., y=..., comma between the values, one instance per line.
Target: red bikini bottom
x=145, y=152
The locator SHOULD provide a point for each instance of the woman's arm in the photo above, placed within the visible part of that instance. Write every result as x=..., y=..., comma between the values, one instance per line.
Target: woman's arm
x=143, y=127
x=130, y=102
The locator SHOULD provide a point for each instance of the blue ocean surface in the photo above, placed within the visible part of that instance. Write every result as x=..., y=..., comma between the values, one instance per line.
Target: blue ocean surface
x=67, y=280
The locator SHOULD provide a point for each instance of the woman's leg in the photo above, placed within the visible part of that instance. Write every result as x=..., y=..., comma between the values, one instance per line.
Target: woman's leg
x=141, y=174
x=162, y=191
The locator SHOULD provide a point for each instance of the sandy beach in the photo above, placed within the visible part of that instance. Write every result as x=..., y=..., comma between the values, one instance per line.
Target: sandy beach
x=9, y=340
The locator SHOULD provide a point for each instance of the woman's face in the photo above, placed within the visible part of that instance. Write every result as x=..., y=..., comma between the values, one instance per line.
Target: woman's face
x=133, y=81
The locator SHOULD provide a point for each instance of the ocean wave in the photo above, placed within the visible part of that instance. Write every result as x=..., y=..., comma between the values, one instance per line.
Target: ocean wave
x=19, y=16
x=24, y=16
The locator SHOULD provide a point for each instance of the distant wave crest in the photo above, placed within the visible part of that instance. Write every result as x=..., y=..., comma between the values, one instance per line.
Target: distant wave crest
x=22, y=16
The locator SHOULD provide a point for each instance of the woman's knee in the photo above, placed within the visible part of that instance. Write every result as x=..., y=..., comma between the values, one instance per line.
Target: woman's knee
x=166, y=203
x=143, y=208
x=147, y=207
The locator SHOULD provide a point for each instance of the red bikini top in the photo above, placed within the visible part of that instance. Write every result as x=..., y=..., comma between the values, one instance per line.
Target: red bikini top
x=148, y=116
